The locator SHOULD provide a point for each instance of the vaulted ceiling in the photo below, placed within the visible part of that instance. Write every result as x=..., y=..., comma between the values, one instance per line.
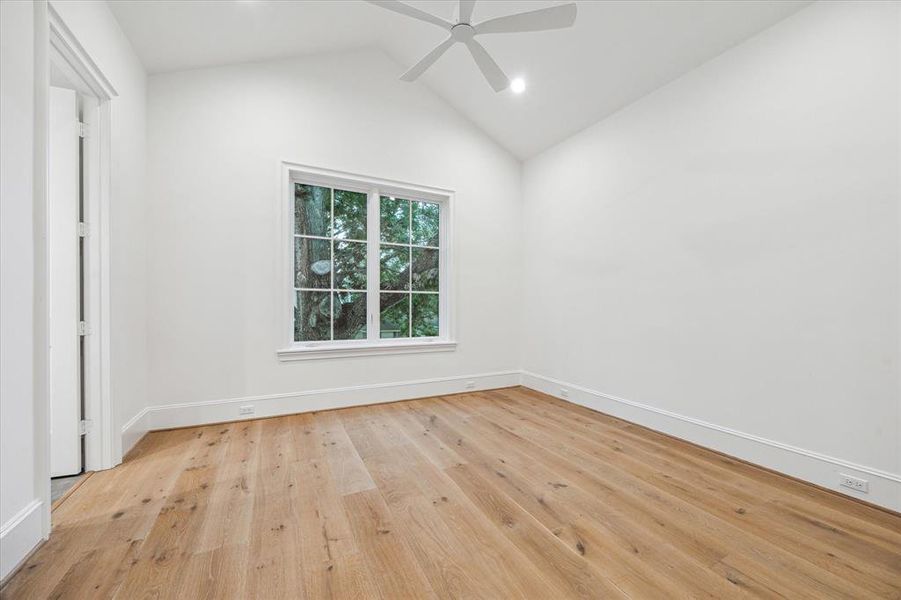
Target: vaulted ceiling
x=617, y=52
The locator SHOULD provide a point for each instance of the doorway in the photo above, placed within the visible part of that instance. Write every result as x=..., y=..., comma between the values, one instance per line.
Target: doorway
x=78, y=430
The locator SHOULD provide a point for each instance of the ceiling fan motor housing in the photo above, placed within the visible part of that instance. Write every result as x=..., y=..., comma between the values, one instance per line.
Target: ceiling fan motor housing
x=461, y=32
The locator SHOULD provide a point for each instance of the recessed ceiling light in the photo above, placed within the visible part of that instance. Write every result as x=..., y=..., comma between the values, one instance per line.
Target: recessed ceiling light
x=518, y=85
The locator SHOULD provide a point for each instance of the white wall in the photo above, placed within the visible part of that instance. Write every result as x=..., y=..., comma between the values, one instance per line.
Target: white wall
x=97, y=30
x=215, y=141
x=20, y=517
x=727, y=249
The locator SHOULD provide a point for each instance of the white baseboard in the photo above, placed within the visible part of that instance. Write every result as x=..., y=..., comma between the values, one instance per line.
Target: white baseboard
x=134, y=430
x=19, y=536
x=823, y=470
x=271, y=405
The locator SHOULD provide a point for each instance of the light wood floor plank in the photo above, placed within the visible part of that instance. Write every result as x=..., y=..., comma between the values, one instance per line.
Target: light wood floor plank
x=385, y=552
x=485, y=545
x=834, y=503
x=751, y=512
x=500, y=494
x=597, y=533
x=420, y=503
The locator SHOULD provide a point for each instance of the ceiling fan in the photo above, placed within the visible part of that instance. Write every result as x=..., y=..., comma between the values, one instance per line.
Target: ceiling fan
x=555, y=17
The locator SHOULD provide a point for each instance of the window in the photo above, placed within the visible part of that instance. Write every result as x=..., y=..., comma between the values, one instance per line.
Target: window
x=369, y=266
x=329, y=264
x=409, y=267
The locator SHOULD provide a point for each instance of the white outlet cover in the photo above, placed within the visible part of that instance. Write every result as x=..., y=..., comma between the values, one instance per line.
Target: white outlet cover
x=855, y=483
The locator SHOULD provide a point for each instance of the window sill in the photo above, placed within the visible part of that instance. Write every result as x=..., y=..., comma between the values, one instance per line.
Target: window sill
x=321, y=350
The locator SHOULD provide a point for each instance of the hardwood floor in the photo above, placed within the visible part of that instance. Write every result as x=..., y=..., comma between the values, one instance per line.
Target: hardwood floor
x=500, y=494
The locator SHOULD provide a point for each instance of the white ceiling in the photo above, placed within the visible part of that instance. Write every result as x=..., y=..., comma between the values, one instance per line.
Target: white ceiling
x=617, y=52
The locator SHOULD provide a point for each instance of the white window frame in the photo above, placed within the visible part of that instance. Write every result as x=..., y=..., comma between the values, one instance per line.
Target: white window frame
x=293, y=173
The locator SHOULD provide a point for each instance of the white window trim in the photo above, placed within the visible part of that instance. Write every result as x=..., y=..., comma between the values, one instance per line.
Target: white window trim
x=290, y=350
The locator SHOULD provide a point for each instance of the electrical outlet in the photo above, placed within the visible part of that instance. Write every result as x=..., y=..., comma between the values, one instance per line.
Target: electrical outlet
x=247, y=409
x=856, y=484
x=470, y=385
x=564, y=393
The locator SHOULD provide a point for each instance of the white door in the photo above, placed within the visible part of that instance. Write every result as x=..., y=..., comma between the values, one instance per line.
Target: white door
x=65, y=282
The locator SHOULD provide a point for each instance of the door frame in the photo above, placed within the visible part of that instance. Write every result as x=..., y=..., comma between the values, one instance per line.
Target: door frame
x=103, y=447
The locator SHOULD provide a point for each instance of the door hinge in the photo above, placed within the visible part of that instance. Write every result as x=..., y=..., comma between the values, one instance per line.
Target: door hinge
x=83, y=230
x=85, y=426
x=82, y=130
x=83, y=328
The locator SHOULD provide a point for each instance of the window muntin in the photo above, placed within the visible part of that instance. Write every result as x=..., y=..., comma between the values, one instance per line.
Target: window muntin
x=335, y=242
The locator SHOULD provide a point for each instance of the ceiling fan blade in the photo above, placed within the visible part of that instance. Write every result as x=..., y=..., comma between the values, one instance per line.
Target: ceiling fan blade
x=466, y=7
x=406, y=9
x=555, y=17
x=427, y=61
x=486, y=64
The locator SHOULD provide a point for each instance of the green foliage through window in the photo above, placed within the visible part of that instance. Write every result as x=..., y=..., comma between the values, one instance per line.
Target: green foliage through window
x=425, y=315
x=312, y=316
x=327, y=269
x=350, y=215
x=350, y=265
x=331, y=264
x=425, y=223
x=312, y=210
x=410, y=260
x=313, y=263
x=425, y=270
x=394, y=217
x=350, y=315
x=394, y=315
x=395, y=267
